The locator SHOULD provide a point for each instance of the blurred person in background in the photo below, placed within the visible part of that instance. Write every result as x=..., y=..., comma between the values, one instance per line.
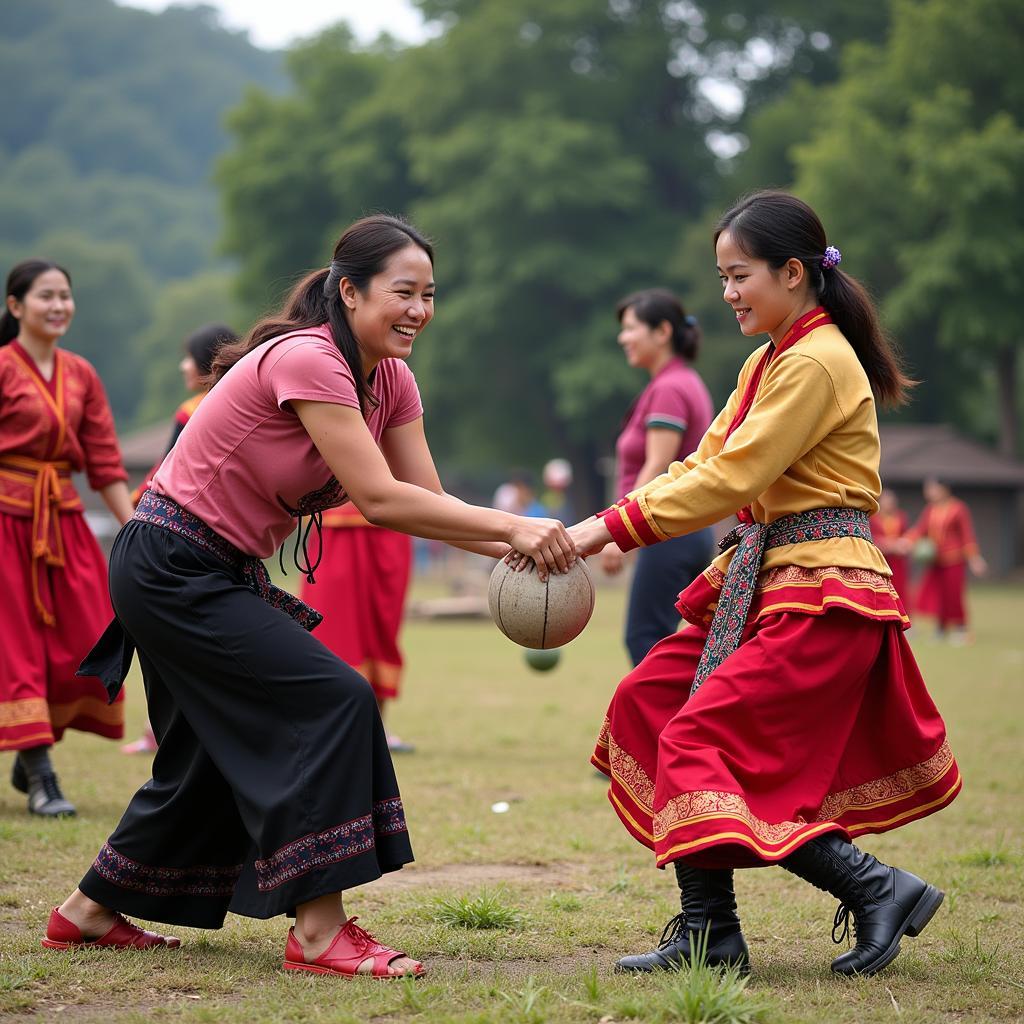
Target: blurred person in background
x=888, y=525
x=518, y=496
x=54, y=421
x=663, y=425
x=943, y=539
x=200, y=347
x=557, y=479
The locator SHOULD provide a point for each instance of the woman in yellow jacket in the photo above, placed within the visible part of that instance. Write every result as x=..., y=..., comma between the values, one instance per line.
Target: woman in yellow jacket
x=788, y=716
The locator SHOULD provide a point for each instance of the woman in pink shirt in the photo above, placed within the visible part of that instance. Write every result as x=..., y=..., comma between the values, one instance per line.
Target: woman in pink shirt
x=273, y=789
x=663, y=425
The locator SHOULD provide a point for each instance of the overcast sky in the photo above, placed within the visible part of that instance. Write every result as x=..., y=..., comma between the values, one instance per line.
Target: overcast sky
x=274, y=24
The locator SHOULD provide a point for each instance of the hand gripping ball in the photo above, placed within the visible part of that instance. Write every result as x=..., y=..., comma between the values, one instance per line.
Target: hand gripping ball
x=541, y=615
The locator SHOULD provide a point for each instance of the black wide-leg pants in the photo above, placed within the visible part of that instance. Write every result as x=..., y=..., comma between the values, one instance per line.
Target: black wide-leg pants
x=273, y=783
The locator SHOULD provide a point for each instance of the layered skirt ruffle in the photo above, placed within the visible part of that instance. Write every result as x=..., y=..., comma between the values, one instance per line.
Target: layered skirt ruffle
x=819, y=721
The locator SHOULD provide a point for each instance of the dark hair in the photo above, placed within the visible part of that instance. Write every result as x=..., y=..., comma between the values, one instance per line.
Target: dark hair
x=202, y=344
x=19, y=281
x=360, y=254
x=656, y=306
x=776, y=227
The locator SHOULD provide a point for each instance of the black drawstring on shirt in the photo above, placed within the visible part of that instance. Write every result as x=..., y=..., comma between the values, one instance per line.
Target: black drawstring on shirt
x=302, y=541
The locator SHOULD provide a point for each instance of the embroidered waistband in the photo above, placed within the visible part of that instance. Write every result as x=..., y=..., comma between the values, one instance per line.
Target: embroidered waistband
x=159, y=510
x=111, y=657
x=752, y=540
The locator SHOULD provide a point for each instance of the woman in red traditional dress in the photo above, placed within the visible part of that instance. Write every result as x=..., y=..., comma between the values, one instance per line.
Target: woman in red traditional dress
x=888, y=525
x=54, y=421
x=200, y=348
x=945, y=524
x=360, y=588
x=788, y=716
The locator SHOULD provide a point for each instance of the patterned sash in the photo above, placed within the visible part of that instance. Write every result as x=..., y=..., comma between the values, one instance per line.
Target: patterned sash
x=752, y=540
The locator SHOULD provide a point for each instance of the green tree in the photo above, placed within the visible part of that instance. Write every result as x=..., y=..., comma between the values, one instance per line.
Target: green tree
x=180, y=308
x=113, y=304
x=111, y=119
x=922, y=184
x=554, y=149
x=306, y=163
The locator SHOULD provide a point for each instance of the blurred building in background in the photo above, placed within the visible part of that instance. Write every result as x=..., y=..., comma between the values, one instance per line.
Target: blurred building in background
x=990, y=484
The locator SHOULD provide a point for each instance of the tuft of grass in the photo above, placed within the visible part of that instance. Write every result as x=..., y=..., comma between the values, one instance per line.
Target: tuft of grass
x=987, y=858
x=699, y=994
x=621, y=883
x=527, y=1002
x=969, y=961
x=565, y=901
x=487, y=909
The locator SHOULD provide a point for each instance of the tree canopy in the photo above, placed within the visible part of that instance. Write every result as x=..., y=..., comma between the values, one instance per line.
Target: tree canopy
x=561, y=153
x=111, y=122
x=555, y=149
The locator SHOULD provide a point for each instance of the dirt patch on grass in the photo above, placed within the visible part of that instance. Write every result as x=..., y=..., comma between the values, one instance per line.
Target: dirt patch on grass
x=463, y=875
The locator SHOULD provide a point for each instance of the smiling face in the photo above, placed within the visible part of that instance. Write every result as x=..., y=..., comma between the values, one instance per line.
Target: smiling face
x=764, y=300
x=395, y=306
x=44, y=313
x=644, y=346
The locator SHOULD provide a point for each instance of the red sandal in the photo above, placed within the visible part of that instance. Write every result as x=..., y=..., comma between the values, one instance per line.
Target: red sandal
x=350, y=948
x=62, y=934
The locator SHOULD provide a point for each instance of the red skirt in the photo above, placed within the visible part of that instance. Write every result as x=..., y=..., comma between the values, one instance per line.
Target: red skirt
x=942, y=594
x=820, y=721
x=360, y=588
x=40, y=695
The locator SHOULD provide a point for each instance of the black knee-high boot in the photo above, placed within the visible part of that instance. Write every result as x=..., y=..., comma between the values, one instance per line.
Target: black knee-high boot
x=709, y=907
x=887, y=903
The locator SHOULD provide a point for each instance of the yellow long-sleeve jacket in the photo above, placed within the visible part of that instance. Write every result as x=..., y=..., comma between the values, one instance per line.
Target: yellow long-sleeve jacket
x=810, y=440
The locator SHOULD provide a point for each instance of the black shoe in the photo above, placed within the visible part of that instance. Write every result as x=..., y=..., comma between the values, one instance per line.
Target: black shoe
x=46, y=799
x=886, y=903
x=19, y=779
x=707, y=931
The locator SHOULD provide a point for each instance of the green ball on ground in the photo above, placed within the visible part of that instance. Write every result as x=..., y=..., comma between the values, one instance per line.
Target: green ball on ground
x=542, y=661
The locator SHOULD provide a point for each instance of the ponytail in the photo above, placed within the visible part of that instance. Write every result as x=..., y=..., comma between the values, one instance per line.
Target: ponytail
x=361, y=254
x=777, y=227
x=8, y=328
x=849, y=304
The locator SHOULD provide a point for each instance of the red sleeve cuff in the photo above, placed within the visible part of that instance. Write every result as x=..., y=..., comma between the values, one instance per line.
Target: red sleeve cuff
x=611, y=508
x=629, y=527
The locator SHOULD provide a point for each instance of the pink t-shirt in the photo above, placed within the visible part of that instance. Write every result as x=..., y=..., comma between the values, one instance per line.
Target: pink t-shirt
x=677, y=399
x=244, y=463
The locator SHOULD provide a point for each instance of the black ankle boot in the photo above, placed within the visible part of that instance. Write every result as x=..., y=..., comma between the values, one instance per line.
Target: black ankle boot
x=886, y=903
x=46, y=799
x=19, y=777
x=709, y=908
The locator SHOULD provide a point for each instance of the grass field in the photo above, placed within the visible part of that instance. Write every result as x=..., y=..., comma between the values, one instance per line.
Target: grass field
x=566, y=888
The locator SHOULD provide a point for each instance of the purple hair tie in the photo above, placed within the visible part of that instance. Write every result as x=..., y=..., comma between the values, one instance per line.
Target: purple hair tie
x=832, y=258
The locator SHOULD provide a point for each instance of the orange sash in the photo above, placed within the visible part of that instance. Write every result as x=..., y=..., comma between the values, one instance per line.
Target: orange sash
x=45, y=479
